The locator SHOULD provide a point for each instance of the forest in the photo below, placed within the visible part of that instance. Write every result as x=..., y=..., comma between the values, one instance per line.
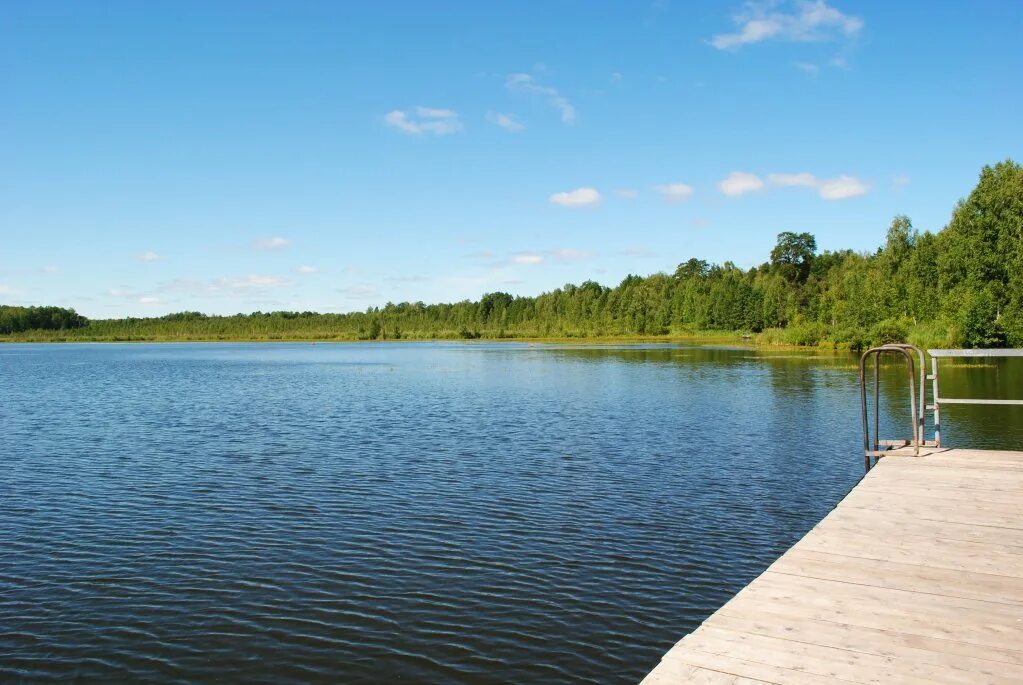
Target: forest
x=959, y=287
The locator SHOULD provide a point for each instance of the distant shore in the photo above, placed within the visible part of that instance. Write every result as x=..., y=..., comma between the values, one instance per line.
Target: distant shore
x=730, y=338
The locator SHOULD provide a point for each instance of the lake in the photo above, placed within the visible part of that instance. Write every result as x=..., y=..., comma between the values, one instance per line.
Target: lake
x=426, y=512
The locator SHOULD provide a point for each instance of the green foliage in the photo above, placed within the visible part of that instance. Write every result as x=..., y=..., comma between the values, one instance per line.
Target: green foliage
x=979, y=321
x=890, y=331
x=793, y=255
x=961, y=286
x=19, y=319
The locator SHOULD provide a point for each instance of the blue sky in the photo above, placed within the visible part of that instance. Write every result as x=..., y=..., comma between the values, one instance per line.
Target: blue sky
x=240, y=156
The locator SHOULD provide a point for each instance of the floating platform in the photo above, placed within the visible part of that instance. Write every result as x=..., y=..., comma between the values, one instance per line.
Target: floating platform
x=915, y=577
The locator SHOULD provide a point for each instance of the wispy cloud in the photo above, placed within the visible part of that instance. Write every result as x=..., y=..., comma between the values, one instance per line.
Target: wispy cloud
x=580, y=197
x=838, y=188
x=506, y=121
x=675, y=192
x=50, y=269
x=528, y=258
x=526, y=83
x=842, y=188
x=149, y=299
x=802, y=179
x=568, y=254
x=739, y=183
x=6, y=289
x=531, y=257
x=439, y=122
x=148, y=256
x=307, y=269
x=271, y=243
x=627, y=193
x=803, y=22
x=814, y=68
x=899, y=182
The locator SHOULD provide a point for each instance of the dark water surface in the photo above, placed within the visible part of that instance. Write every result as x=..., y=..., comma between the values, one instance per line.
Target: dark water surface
x=417, y=512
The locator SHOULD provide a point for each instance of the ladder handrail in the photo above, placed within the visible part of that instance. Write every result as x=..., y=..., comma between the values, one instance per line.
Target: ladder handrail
x=916, y=411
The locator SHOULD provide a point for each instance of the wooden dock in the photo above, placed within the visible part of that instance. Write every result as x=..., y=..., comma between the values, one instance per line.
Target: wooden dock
x=915, y=577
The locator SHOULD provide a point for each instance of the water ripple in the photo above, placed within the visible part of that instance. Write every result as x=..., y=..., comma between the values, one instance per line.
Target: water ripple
x=427, y=513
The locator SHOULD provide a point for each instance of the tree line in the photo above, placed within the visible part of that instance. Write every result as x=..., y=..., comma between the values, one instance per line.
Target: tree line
x=20, y=319
x=961, y=286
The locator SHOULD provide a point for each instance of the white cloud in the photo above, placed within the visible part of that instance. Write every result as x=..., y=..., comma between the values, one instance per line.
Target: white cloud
x=627, y=193
x=436, y=113
x=808, y=67
x=439, y=122
x=8, y=290
x=838, y=188
x=803, y=179
x=149, y=300
x=50, y=269
x=272, y=243
x=148, y=256
x=842, y=188
x=525, y=83
x=528, y=258
x=306, y=269
x=580, y=197
x=739, y=183
x=675, y=192
x=805, y=22
x=900, y=181
x=505, y=121
x=568, y=254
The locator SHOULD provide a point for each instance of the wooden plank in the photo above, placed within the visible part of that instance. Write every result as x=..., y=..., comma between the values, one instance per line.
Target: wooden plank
x=832, y=662
x=878, y=524
x=956, y=458
x=929, y=470
x=978, y=623
x=729, y=665
x=944, y=653
x=949, y=554
x=899, y=576
x=672, y=672
x=789, y=616
x=935, y=509
x=938, y=505
x=915, y=577
x=935, y=491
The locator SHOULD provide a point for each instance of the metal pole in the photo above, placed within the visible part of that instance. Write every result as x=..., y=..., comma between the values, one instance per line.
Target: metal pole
x=877, y=400
x=912, y=400
x=863, y=408
x=937, y=402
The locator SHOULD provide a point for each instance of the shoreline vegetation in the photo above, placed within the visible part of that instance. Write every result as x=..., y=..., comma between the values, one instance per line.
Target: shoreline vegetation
x=960, y=287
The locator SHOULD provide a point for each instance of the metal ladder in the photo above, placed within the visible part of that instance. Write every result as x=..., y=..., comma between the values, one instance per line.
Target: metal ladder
x=876, y=448
x=873, y=450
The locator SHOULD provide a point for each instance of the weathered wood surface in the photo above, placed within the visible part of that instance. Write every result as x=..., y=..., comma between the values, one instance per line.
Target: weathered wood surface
x=915, y=577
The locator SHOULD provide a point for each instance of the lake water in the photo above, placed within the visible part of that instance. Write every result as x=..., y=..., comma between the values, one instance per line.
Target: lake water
x=454, y=513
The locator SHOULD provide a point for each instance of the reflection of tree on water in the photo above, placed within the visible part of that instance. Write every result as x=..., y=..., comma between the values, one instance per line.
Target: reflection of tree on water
x=804, y=383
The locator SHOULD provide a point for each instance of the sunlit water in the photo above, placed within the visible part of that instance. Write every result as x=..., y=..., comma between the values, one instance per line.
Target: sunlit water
x=419, y=512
